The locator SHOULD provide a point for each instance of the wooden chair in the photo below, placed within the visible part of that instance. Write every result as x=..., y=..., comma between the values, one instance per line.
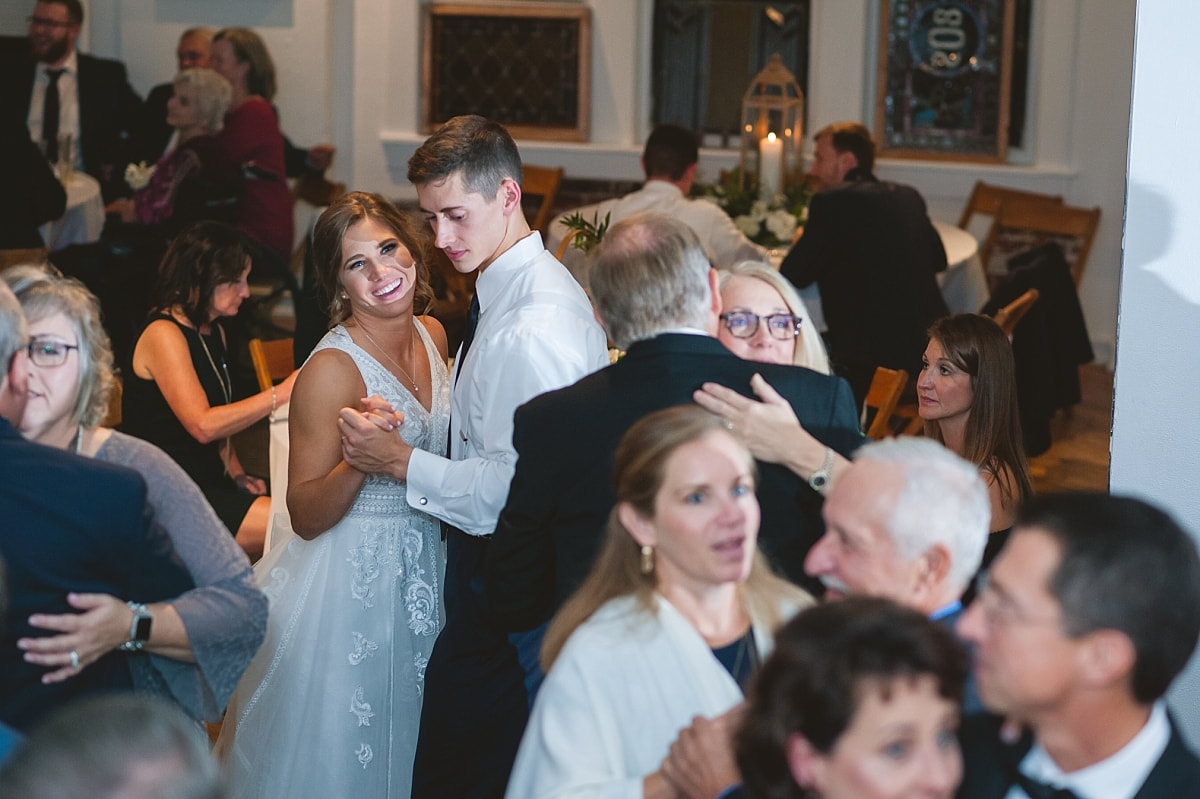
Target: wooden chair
x=886, y=387
x=985, y=199
x=273, y=360
x=1034, y=225
x=317, y=190
x=112, y=415
x=1008, y=316
x=543, y=182
x=561, y=250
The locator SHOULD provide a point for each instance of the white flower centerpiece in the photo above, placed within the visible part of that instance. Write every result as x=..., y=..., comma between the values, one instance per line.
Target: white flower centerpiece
x=771, y=223
x=138, y=175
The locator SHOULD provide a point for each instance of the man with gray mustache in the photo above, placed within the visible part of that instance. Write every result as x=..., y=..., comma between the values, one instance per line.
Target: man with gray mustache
x=907, y=520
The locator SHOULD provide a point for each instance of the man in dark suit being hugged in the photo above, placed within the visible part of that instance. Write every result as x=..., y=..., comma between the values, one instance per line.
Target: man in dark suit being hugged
x=658, y=297
x=68, y=524
x=1090, y=611
x=57, y=89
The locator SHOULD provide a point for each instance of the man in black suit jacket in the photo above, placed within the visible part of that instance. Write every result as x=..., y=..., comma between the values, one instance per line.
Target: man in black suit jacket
x=32, y=193
x=872, y=250
x=108, y=108
x=657, y=296
x=69, y=524
x=1090, y=611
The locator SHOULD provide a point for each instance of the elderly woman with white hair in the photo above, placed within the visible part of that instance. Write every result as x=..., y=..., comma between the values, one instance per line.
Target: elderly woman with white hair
x=196, y=112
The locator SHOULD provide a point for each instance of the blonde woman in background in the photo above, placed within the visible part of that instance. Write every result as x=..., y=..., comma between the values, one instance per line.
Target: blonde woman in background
x=756, y=304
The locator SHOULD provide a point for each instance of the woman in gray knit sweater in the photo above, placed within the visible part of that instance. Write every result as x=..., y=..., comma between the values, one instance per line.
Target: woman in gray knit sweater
x=200, y=642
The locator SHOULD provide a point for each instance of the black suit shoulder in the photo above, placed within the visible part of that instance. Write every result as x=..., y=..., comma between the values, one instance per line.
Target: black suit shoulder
x=561, y=493
x=72, y=524
x=1176, y=774
x=40, y=198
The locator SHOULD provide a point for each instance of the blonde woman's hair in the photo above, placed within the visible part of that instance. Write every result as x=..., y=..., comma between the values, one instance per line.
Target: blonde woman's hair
x=639, y=468
x=810, y=350
x=43, y=293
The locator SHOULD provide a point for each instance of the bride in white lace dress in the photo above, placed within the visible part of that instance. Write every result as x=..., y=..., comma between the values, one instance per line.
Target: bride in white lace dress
x=331, y=703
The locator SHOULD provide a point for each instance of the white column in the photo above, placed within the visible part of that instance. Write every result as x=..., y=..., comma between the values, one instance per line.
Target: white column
x=1156, y=430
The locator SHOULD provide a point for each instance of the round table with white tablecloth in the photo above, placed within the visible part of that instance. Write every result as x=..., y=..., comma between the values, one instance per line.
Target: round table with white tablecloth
x=84, y=217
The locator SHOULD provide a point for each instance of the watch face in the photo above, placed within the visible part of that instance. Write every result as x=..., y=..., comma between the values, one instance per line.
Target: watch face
x=142, y=631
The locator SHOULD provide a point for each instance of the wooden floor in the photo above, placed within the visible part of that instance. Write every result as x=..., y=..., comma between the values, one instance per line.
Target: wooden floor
x=1078, y=458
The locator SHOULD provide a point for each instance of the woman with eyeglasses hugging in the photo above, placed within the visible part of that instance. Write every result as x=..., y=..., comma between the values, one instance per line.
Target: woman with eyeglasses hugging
x=765, y=320
x=198, y=643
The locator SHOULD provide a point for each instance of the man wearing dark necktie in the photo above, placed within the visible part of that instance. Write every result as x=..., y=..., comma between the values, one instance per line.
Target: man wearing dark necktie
x=535, y=332
x=56, y=89
x=1086, y=616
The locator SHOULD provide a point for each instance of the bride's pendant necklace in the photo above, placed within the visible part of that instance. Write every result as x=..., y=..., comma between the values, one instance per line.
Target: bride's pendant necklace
x=416, y=388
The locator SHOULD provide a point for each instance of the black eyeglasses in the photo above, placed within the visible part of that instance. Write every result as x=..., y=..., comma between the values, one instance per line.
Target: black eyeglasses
x=49, y=352
x=743, y=324
x=48, y=23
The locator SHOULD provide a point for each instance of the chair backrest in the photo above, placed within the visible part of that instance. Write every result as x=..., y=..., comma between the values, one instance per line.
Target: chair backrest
x=1028, y=226
x=543, y=182
x=1008, y=316
x=112, y=415
x=886, y=387
x=561, y=250
x=273, y=360
x=985, y=199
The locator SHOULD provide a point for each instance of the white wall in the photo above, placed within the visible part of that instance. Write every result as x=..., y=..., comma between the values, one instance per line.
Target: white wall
x=349, y=73
x=1156, y=441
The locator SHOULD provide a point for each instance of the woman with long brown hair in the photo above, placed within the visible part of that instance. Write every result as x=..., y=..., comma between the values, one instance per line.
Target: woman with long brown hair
x=967, y=391
x=331, y=703
x=673, y=619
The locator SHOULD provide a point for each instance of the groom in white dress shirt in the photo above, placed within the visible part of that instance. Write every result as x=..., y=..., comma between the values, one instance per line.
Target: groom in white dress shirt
x=535, y=332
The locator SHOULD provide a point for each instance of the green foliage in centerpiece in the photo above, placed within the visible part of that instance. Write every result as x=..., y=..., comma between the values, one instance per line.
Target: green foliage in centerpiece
x=771, y=224
x=590, y=233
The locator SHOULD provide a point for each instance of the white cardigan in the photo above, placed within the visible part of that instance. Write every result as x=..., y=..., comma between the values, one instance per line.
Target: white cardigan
x=624, y=685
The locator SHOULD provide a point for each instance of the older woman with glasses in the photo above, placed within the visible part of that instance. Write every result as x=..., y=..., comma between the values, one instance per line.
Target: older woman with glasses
x=198, y=643
x=765, y=319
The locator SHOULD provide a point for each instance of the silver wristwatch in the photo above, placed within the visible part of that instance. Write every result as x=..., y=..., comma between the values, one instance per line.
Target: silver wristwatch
x=820, y=478
x=139, y=631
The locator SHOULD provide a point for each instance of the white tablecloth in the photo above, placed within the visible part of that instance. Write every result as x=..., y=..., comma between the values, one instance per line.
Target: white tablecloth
x=962, y=282
x=84, y=218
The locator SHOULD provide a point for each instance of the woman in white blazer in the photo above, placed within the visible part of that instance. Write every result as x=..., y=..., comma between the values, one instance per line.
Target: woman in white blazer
x=675, y=616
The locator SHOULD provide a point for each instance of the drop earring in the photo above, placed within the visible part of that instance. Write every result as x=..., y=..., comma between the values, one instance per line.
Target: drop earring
x=647, y=560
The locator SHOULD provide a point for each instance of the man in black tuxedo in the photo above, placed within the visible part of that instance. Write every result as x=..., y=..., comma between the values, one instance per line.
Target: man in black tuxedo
x=67, y=524
x=1090, y=611
x=54, y=87
x=871, y=249
x=658, y=297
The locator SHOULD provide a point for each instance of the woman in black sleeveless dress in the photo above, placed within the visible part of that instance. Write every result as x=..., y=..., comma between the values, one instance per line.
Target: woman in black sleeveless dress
x=178, y=392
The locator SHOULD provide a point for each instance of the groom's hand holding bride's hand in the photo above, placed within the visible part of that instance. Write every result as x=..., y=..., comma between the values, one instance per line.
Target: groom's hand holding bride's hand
x=370, y=438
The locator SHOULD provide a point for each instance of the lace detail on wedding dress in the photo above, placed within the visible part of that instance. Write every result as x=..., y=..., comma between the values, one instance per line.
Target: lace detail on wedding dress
x=357, y=609
x=363, y=648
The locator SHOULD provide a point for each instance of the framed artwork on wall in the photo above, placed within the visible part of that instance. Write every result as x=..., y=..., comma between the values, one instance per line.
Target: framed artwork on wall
x=524, y=65
x=944, y=79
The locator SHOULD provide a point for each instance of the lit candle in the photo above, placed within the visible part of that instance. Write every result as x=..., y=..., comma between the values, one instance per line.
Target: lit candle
x=770, y=166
